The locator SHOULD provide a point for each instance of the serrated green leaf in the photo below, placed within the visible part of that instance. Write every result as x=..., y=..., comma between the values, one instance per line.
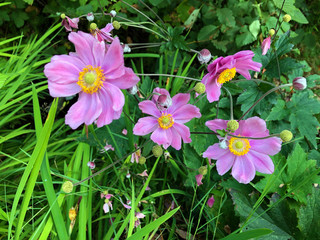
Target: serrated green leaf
x=289, y=8
x=309, y=216
x=208, y=32
x=191, y=158
x=254, y=28
x=226, y=17
x=221, y=45
x=278, y=112
x=244, y=37
x=312, y=80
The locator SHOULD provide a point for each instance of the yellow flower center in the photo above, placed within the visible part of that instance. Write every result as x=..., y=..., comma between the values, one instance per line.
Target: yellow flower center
x=227, y=75
x=239, y=146
x=91, y=79
x=165, y=121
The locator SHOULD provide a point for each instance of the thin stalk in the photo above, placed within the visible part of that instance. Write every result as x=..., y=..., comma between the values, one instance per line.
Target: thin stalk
x=263, y=96
x=231, y=102
x=167, y=75
x=162, y=22
x=270, y=136
x=255, y=80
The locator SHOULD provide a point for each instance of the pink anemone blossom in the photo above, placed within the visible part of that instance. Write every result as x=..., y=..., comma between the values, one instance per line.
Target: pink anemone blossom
x=244, y=156
x=104, y=33
x=265, y=46
x=69, y=23
x=96, y=71
x=223, y=69
x=167, y=126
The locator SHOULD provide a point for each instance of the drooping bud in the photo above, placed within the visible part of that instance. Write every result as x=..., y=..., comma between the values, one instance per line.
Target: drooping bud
x=63, y=16
x=204, y=56
x=265, y=46
x=210, y=201
x=91, y=165
x=200, y=88
x=113, y=13
x=90, y=17
x=286, y=135
x=232, y=125
x=72, y=214
x=116, y=25
x=157, y=150
x=142, y=160
x=163, y=102
x=67, y=187
x=203, y=170
x=199, y=179
x=287, y=18
x=133, y=90
x=272, y=32
x=299, y=83
x=93, y=26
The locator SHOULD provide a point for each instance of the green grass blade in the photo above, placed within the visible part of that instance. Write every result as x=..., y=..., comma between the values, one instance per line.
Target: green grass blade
x=249, y=234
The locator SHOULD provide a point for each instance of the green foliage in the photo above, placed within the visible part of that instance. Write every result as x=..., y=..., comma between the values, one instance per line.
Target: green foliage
x=294, y=12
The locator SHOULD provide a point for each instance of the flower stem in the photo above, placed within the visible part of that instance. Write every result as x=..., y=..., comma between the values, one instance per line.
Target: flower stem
x=255, y=80
x=231, y=102
x=167, y=75
x=129, y=123
x=263, y=96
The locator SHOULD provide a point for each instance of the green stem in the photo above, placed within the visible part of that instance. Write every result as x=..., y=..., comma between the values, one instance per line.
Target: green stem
x=128, y=121
x=231, y=102
x=167, y=75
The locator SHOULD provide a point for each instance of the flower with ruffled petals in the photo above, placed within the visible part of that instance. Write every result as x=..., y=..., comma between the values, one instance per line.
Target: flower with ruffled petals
x=69, y=23
x=245, y=156
x=223, y=69
x=97, y=72
x=104, y=33
x=265, y=46
x=210, y=201
x=168, y=125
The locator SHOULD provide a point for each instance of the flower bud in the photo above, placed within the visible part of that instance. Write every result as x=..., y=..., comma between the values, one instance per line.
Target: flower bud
x=133, y=90
x=299, y=83
x=232, y=125
x=265, y=46
x=142, y=160
x=116, y=25
x=63, y=16
x=157, y=150
x=286, y=135
x=272, y=32
x=128, y=175
x=166, y=155
x=286, y=18
x=163, y=102
x=126, y=48
x=204, y=56
x=211, y=201
x=67, y=187
x=113, y=13
x=93, y=26
x=91, y=165
x=203, y=170
x=90, y=17
x=72, y=214
x=223, y=144
x=200, y=88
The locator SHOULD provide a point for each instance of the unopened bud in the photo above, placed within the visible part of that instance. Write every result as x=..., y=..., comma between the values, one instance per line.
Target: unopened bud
x=232, y=125
x=72, y=214
x=63, y=16
x=200, y=88
x=67, y=187
x=91, y=165
x=116, y=25
x=142, y=160
x=203, y=170
x=128, y=175
x=204, y=56
x=272, y=32
x=113, y=13
x=299, y=83
x=166, y=155
x=126, y=48
x=133, y=90
x=90, y=17
x=286, y=18
x=163, y=102
x=93, y=26
x=157, y=150
x=223, y=144
x=286, y=135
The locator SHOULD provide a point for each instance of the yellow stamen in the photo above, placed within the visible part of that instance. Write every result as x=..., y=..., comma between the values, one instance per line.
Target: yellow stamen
x=239, y=146
x=165, y=121
x=227, y=75
x=91, y=79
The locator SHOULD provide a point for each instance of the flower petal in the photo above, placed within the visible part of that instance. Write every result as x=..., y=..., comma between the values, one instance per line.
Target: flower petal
x=107, y=114
x=215, y=152
x=63, y=90
x=116, y=95
x=86, y=110
x=161, y=91
x=269, y=146
x=217, y=124
x=113, y=64
x=83, y=43
x=150, y=108
x=98, y=51
x=178, y=101
x=262, y=162
x=169, y=138
x=185, y=113
x=176, y=139
x=183, y=130
x=199, y=179
x=160, y=136
x=243, y=169
x=225, y=162
x=253, y=127
x=145, y=126
x=213, y=90
x=123, y=79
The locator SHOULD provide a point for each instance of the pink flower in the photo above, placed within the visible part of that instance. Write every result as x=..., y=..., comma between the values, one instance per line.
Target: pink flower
x=168, y=125
x=244, y=156
x=210, y=201
x=137, y=218
x=223, y=69
x=104, y=33
x=199, y=179
x=265, y=46
x=107, y=206
x=91, y=165
x=136, y=156
x=143, y=174
x=69, y=23
x=106, y=148
x=124, y=131
x=96, y=71
x=299, y=83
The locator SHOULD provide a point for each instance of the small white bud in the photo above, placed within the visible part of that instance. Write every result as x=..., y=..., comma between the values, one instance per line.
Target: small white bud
x=90, y=17
x=113, y=13
x=126, y=48
x=223, y=144
x=204, y=56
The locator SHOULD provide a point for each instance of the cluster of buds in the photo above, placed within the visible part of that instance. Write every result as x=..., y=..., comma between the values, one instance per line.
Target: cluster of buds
x=202, y=172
